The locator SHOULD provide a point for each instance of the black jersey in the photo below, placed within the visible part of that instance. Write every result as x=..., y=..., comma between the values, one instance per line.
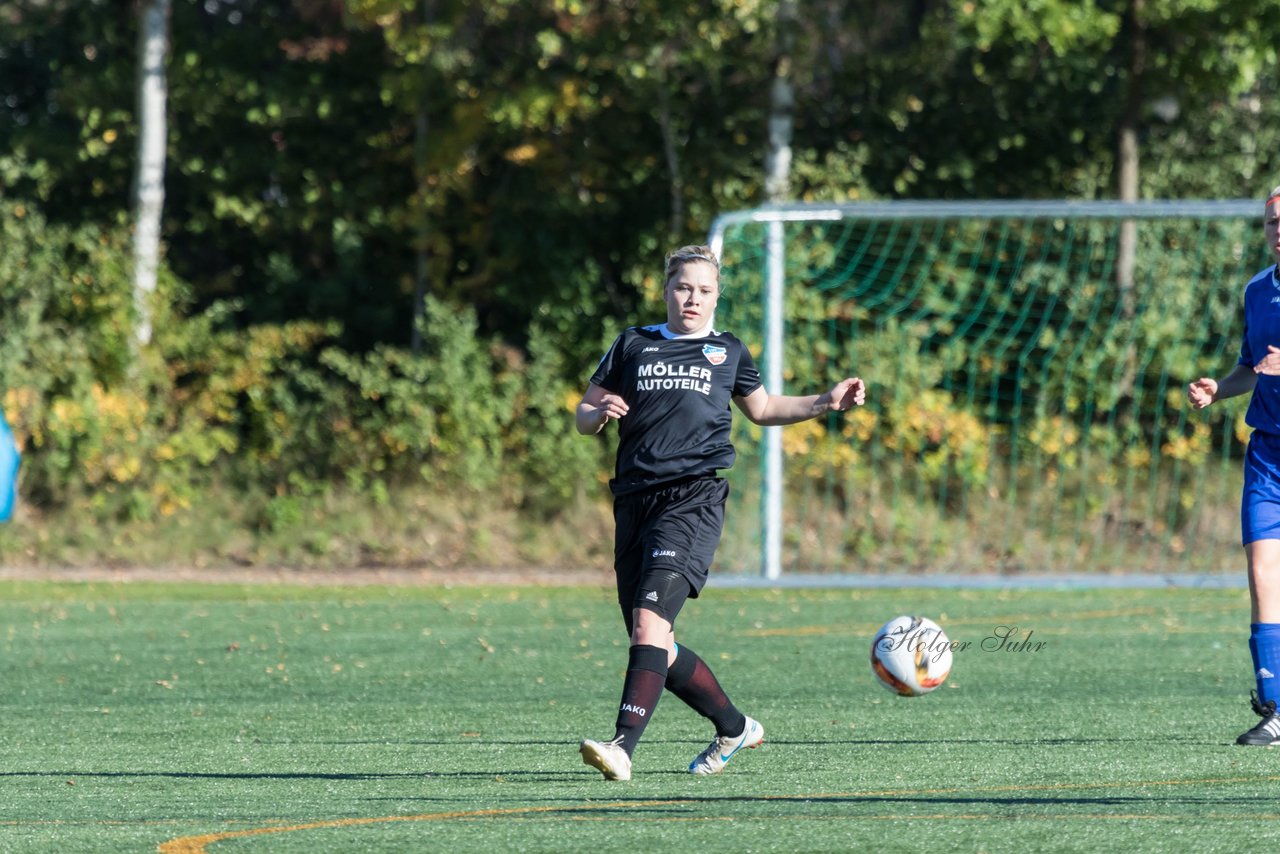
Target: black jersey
x=678, y=392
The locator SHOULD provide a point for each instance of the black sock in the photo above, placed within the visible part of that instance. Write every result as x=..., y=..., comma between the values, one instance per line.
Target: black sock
x=646, y=673
x=691, y=680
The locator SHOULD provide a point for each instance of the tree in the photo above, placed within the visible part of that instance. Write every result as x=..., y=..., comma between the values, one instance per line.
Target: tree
x=571, y=143
x=533, y=158
x=777, y=181
x=148, y=186
x=1113, y=64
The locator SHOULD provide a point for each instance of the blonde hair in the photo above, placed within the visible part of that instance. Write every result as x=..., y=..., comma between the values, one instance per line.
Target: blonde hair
x=1274, y=192
x=688, y=255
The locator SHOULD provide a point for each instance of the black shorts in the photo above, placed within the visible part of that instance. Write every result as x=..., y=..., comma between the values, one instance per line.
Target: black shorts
x=662, y=591
x=675, y=526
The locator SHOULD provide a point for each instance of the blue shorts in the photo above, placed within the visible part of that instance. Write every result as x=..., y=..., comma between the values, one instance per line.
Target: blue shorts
x=1260, y=503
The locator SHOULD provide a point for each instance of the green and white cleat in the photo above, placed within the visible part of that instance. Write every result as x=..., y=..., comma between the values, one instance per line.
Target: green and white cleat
x=607, y=757
x=722, y=748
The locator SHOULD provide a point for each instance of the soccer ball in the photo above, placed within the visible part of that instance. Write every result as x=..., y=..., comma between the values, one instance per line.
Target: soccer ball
x=911, y=655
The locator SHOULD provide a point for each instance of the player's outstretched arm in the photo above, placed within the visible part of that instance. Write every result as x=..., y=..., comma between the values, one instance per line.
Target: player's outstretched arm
x=771, y=410
x=597, y=408
x=1207, y=390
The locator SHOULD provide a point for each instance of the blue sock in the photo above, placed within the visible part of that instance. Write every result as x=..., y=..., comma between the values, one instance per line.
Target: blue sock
x=1264, y=646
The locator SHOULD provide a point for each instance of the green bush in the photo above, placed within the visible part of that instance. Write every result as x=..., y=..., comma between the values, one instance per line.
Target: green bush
x=289, y=431
x=79, y=403
x=279, y=412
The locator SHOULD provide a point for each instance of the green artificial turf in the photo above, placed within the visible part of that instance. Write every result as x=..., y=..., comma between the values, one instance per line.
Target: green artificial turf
x=233, y=719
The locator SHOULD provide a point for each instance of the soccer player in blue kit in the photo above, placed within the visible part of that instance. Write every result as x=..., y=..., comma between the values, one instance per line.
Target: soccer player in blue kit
x=1258, y=371
x=669, y=387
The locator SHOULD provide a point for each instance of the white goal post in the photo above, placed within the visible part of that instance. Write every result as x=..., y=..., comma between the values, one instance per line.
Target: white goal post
x=783, y=241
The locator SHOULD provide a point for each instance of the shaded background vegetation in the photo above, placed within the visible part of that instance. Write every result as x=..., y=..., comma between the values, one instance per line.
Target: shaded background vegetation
x=398, y=235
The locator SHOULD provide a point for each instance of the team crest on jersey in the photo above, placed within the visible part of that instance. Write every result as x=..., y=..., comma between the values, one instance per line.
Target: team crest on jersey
x=715, y=355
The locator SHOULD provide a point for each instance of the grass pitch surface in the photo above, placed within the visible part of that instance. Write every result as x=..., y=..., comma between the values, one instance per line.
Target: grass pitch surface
x=253, y=719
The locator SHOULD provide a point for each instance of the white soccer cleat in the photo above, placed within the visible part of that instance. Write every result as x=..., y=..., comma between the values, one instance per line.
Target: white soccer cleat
x=721, y=749
x=608, y=758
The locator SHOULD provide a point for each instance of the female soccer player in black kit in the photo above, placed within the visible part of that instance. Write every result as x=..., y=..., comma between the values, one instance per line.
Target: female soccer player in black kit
x=668, y=387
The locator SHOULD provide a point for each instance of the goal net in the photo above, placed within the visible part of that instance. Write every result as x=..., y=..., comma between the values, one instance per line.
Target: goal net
x=1026, y=367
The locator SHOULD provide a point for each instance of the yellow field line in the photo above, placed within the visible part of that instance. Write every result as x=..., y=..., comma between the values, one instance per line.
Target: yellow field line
x=196, y=844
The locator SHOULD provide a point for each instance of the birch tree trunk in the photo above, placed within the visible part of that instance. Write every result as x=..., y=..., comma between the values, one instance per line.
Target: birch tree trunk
x=1127, y=169
x=777, y=181
x=1127, y=149
x=148, y=184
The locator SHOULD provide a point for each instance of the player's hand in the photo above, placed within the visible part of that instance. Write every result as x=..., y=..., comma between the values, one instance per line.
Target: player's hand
x=848, y=393
x=1270, y=364
x=1203, y=391
x=612, y=407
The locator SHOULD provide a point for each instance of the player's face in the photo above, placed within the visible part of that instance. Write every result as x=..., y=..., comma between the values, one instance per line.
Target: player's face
x=691, y=298
x=1271, y=226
